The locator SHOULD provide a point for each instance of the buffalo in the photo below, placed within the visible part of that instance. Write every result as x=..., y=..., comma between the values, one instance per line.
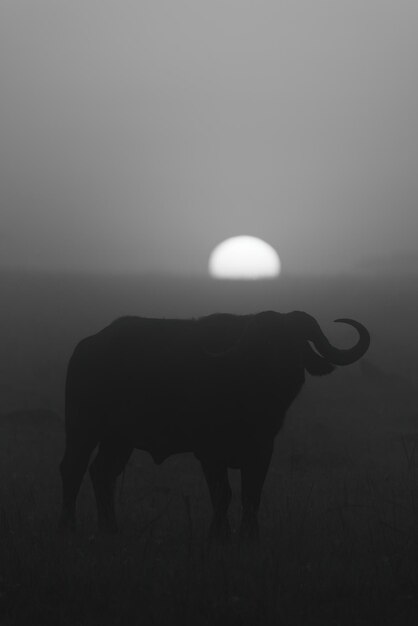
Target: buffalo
x=218, y=386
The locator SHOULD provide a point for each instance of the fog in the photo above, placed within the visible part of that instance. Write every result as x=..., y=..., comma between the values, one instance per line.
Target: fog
x=43, y=316
x=135, y=136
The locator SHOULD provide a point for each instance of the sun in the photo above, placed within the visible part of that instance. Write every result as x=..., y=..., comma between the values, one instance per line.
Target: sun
x=243, y=258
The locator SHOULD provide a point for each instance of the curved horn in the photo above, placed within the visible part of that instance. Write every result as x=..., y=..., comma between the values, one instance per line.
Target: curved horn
x=339, y=356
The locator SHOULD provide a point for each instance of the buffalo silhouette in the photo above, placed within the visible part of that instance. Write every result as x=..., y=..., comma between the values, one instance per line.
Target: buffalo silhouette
x=218, y=386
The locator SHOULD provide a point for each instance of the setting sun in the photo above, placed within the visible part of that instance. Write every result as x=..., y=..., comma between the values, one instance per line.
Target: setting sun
x=244, y=257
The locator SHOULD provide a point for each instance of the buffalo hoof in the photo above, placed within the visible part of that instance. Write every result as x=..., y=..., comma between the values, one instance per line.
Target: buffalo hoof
x=220, y=535
x=249, y=536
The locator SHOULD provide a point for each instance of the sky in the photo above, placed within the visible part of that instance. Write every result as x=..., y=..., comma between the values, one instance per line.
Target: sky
x=135, y=135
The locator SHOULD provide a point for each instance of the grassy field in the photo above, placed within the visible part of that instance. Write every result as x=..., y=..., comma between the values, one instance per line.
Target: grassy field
x=339, y=513
x=339, y=522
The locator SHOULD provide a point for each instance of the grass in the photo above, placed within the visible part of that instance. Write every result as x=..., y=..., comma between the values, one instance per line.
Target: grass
x=339, y=524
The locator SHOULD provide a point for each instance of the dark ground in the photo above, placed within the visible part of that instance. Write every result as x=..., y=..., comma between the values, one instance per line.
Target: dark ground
x=338, y=521
x=339, y=515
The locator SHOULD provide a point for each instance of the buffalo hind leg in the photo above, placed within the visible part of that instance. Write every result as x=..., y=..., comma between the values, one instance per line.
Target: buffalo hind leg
x=253, y=474
x=220, y=494
x=73, y=466
x=106, y=467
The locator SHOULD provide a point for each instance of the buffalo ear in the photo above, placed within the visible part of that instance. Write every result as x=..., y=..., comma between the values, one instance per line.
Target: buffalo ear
x=316, y=364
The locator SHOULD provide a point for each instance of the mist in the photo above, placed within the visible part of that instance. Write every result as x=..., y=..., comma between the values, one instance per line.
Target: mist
x=137, y=136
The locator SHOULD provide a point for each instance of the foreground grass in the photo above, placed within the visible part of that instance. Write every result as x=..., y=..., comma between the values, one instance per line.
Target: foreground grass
x=339, y=540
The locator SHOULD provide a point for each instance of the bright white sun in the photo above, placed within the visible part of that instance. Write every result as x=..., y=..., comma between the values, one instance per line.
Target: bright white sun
x=244, y=257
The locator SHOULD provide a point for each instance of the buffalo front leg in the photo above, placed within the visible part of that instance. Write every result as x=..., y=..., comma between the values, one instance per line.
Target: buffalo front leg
x=253, y=474
x=220, y=494
x=106, y=467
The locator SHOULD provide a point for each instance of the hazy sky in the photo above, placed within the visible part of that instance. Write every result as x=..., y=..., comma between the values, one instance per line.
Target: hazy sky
x=136, y=135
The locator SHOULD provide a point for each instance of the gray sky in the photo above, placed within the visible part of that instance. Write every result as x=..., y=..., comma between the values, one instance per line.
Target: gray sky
x=136, y=135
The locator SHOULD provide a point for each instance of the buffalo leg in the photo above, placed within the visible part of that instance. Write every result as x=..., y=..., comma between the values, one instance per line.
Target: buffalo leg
x=106, y=467
x=73, y=466
x=220, y=494
x=253, y=474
